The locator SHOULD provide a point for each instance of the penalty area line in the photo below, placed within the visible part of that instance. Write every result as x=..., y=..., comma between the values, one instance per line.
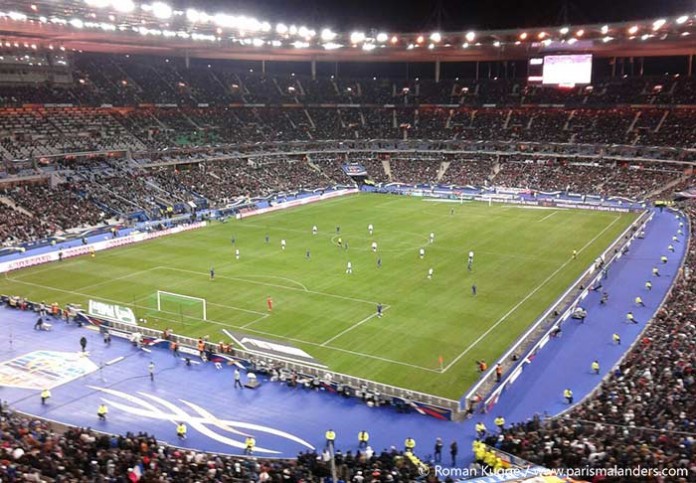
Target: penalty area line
x=354, y=326
x=529, y=295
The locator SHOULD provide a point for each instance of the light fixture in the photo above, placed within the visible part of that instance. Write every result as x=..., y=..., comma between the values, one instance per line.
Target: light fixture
x=523, y=35
x=633, y=30
x=357, y=37
x=161, y=10
x=435, y=37
x=657, y=24
x=382, y=37
x=470, y=36
x=682, y=19
x=327, y=35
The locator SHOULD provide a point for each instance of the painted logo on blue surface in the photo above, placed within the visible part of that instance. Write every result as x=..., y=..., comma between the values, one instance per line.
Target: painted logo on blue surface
x=45, y=369
x=201, y=420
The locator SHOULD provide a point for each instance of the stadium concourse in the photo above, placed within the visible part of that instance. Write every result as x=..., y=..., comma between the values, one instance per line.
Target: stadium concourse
x=287, y=421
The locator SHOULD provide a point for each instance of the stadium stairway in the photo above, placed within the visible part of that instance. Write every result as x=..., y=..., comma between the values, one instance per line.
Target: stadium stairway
x=287, y=420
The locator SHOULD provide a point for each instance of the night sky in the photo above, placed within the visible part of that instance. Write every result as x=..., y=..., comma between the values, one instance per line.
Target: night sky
x=456, y=15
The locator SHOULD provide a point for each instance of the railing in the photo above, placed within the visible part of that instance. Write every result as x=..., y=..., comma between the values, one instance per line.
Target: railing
x=360, y=384
x=680, y=274
x=563, y=305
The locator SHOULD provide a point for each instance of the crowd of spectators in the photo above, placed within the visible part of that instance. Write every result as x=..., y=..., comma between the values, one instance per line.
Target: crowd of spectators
x=415, y=171
x=643, y=414
x=57, y=208
x=151, y=103
x=130, y=80
x=474, y=172
x=32, y=451
x=17, y=227
x=33, y=132
x=606, y=179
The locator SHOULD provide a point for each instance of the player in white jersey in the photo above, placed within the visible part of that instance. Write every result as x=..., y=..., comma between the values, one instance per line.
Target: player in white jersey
x=282, y=244
x=430, y=274
x=370, y=229
x=421, y=253
x=432, y=237
x=349, y=268
x=471, y=260
x=374, y=247
x=236, y=254
x=314, y=230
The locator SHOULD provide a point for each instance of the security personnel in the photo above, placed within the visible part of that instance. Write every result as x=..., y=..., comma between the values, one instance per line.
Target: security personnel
x=45, y=396
x=498, y=372
x=568, y=395
x=249, y=445
x=663, y=259
x=409, y=444
x=330, y=438
x=500, y=422
x=181, y=430
x=617, y=339
x=630, y=318
x=639, y=302
x=648, y=285
x=595, y=366
x=102, y=412
x=655, y=272
x=363, y=438
x=480, y=430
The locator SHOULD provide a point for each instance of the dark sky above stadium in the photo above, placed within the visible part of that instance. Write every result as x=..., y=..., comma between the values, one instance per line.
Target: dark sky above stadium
x=420, y=15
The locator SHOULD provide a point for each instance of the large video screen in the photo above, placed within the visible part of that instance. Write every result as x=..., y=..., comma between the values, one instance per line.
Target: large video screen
x=567, y=69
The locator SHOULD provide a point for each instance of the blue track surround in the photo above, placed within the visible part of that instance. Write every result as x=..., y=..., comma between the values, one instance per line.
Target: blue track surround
x=285, y=420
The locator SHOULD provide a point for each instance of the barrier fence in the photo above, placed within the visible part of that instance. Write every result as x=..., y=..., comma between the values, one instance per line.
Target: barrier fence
x=436, y=406
x=476, y=397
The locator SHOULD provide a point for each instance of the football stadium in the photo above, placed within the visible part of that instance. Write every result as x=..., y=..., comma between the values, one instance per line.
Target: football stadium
x=321, y=243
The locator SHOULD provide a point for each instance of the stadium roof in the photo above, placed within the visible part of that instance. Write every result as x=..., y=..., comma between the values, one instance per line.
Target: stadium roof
x=126, y=26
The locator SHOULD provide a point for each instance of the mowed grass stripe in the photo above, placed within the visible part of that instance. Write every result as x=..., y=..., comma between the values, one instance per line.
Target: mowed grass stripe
x=315, y=301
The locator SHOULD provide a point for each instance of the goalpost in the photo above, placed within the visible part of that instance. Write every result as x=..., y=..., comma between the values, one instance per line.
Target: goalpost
x=165, y=299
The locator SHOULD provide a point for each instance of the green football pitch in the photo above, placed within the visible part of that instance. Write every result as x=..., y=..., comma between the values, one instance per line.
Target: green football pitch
x=523, y=262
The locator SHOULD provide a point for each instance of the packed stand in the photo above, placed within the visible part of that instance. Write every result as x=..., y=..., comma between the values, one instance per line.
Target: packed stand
x=472, y=172
x=643, y=415
x=17, y=227
x=635, y=182
x=33, y=451
x=58, y=208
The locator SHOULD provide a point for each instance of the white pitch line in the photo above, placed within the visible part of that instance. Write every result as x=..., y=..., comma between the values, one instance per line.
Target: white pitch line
x=354, y=326
x=548, y=216
x=254, y=321
x=304, y=287
x=270, y=334
x=512, y=310
x=273, y=285
x=106, y=282
x=361, y=354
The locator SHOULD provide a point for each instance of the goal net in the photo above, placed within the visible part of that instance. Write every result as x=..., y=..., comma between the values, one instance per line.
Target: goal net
x=181, y=305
